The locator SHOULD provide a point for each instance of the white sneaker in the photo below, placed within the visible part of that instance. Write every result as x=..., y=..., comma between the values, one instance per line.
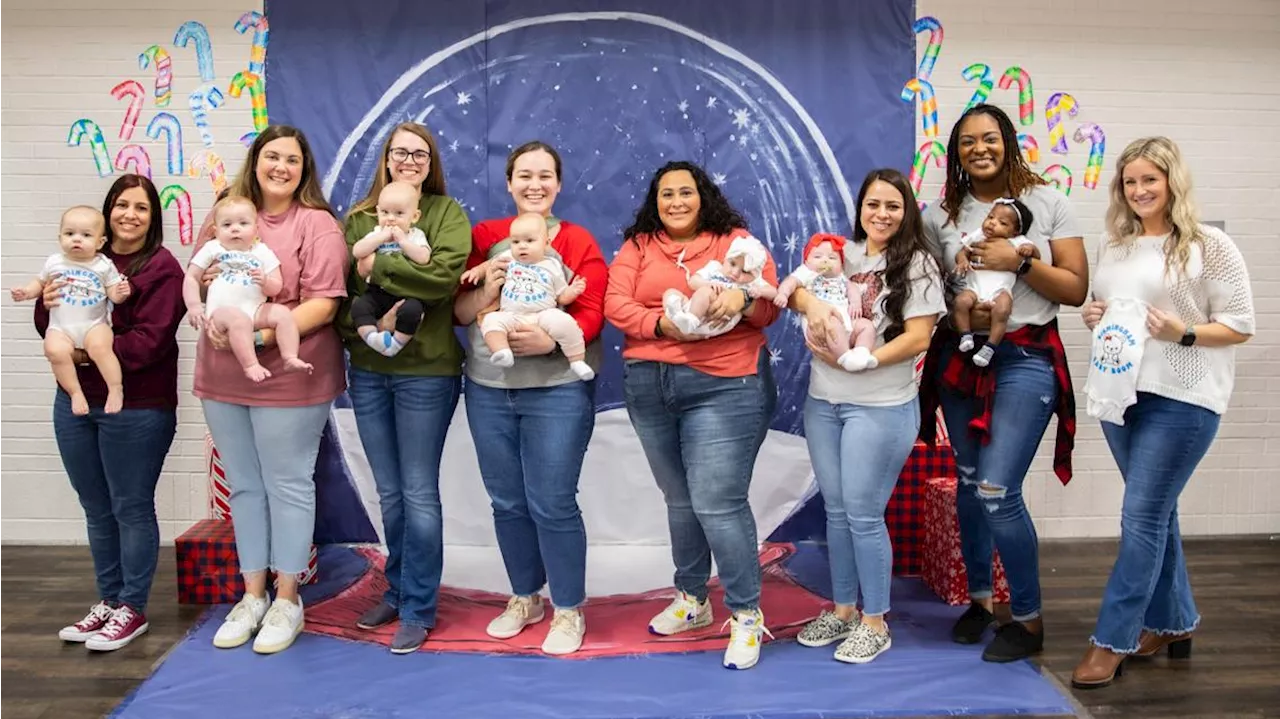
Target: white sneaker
x=93, y=622
x=745, y=636
x=684, y=613
x=280, y=627
x=567, y=628
x=863, y=645
x=239, y=626
x=520, y=613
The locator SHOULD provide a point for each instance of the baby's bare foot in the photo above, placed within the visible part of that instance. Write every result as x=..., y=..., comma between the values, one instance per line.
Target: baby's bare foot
x=79, y=405
x=115, y=400
x=293, y=364
x=256, y=372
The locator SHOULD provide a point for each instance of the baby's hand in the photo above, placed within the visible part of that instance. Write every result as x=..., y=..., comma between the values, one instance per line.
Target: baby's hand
x=257, y=276
x=1027, y=250
x=120, y=291
x=400, y=236
x=475, y=275
x=579, y=285
x=195, y=317
x=962, y=265
x=19, y=294
x=781, y=299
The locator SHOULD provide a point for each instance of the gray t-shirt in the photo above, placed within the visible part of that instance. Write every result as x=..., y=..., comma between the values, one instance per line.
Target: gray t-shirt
x=887, y=385
x=1053, y=219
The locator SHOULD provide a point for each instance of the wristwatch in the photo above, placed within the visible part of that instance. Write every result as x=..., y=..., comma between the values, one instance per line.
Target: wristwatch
x=657, y=328
x=1025, y=267
x=746, y=299
x=1188, y=336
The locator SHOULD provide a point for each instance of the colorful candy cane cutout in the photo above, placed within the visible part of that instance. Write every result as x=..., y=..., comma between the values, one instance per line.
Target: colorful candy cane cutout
x=931, y=150
x=80, y=129
x=248, y=138
x=258, y=53
x=205, y=97
x=207, y=162
x=931, y=50
x=1028, y=143
x=167, y=124
x=179, y=194
x=257, y=96
x=1097, y=148
x=923, y=89
x=1059, y=102
x=131, y=89
x=1060, y=177
x=982, y=73
x=1026, y=97
x=137, y=156
x=192, y=30
x=164, y=72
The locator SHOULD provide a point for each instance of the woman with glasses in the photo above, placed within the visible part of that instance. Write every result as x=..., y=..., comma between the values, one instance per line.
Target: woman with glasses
x=403, y=404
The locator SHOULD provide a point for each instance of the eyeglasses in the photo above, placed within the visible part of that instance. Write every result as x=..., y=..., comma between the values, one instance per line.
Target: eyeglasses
x=399, y=154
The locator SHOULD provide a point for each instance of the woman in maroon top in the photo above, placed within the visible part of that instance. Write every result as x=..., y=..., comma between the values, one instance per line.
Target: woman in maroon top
x=114, y=460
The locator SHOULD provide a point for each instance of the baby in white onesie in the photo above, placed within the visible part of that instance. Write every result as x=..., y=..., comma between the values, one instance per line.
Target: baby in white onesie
x=1119, y=340
x=533, y=291
x=1008, y=220
x=249, y=272
x=90, y=284
x=742, y=269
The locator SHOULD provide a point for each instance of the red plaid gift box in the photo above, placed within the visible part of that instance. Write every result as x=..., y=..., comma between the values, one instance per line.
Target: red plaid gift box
x=208, y=570
x=943, y=565
x=905, y=513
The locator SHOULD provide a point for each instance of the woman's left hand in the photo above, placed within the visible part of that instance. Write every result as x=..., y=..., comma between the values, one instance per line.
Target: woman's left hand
x=217, y=338
x=1165, y=326
x=530, y=341
x=727, y=304
x=821, y=350
x=996, y=256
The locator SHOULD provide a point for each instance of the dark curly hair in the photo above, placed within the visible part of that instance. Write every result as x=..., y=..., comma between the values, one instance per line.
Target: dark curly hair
x=717, y=216
x=900, y=251
x=1018, y=174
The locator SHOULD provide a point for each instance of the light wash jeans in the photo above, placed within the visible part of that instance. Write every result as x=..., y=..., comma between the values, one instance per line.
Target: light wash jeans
x=269, y=454
x=989, y=504
x=1157, y=451
x=857, y=454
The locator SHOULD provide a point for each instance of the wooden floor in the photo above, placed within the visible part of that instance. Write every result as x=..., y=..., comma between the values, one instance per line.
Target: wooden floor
x=1234, y=672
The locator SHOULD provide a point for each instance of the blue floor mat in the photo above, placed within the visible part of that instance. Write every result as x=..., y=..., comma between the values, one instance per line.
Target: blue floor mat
x=923, y=674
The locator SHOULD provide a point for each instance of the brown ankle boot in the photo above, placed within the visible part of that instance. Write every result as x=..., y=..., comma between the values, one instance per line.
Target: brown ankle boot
x=1150, y=644
x=1098, y=668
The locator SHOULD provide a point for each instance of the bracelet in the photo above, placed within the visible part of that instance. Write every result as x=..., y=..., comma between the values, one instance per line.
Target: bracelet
x=657, y=328
x=746, y=299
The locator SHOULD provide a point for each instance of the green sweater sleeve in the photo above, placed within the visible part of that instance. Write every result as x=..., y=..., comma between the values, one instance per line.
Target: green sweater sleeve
x=449, y=233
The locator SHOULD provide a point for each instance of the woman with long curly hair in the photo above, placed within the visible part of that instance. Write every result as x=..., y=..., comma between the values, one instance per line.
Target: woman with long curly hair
x=861, y=426
x=1198, y=307
x=996, y=415
x=700, y=406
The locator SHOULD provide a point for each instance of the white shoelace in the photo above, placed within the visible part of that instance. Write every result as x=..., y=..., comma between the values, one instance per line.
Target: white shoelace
x=278, y=617
x=241, y=612
x=566, y=622
x=519, y=608
x=99, y=612
x=738, y=631
x=120, y=618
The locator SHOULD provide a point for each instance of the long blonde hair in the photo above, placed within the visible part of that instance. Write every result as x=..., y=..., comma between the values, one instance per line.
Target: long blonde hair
x=1183, y=215
x=432, y=185
x=308, y=193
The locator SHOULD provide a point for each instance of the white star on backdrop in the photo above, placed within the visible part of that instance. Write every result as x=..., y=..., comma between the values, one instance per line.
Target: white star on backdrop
x=464, y=98
x=718, y=178
x=793, y=240
x=453, y=146
x=683, y=106
x=711, y=102
x=741, y=118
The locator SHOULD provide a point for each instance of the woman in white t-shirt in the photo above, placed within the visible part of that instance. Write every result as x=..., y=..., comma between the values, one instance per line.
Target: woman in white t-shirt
x=1198, y=306
x=861, y=426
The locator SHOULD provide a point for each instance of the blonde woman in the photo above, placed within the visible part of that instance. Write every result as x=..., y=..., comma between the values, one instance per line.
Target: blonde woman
x=1198, y=306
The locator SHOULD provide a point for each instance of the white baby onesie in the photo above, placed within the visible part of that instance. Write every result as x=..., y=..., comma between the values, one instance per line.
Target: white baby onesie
x=234, y=287
x=986, y=284
x=82, y=301
x=832, y=290
x=1119, y=340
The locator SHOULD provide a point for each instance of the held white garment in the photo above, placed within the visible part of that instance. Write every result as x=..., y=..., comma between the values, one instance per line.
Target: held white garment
x=82, y=301
x=1119, y=340
x=234, y=287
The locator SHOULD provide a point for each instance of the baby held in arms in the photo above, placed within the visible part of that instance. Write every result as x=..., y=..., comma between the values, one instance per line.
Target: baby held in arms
x=395, y=234
x=742, y=268
x=534, y=290
x=249, y=272
x=1008, y=220
x=822, y=274
x=90, y=284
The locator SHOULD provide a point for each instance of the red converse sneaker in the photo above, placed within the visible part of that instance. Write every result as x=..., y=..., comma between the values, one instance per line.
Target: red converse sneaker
x=124, y=626
x=92, y=623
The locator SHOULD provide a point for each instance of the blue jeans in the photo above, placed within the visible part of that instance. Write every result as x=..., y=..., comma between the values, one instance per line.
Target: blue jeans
x=857, y=454
x=1157, y=450
x=989, y=504
x=403, y=420
x=269, y=454
x=701, y=435
x=114, y=462
x=530, y=444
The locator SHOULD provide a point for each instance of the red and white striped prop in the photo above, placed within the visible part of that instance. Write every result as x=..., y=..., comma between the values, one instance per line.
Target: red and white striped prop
x=308, y=575
x=219, y=487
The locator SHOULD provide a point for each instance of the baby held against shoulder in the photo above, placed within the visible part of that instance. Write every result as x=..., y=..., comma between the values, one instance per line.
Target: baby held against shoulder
x=237, y=305
x=1007, y=221
x=87, y=284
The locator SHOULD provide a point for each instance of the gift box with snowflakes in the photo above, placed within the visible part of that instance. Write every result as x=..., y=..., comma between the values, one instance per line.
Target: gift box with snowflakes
x=943, y=566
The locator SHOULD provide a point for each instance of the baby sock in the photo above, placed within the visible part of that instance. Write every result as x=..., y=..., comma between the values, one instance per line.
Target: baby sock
x=503, y=358
x=583, y=370
x=966, y=342
x=982, y=357
x=385, y=343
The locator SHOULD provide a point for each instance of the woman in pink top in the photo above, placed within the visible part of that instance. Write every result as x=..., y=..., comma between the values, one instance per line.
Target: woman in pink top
x=269, y=434
x=701, y=406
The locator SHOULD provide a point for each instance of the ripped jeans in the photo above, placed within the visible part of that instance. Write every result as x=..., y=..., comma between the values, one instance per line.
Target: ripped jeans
x=989, y=502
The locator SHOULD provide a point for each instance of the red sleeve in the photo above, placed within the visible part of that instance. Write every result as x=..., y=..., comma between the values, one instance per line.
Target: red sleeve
x=484, y=235
x=157, y=312
x=582, y=255
x=765, y=312
x=620, y=304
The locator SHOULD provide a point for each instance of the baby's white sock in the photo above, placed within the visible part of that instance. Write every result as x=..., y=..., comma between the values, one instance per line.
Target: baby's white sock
x=385, y=343
x=503, y=358
x=583, y=370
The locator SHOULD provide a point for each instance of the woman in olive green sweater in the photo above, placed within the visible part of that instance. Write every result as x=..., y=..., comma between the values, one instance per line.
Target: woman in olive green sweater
x=403, y=404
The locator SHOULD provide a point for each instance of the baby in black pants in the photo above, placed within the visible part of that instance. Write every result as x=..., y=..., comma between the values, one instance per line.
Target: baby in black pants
x=397, y=211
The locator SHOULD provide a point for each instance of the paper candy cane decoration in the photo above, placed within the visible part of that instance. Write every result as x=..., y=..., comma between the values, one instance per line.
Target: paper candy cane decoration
x=1059, y=102
x=158, y=56
x=207, y=162
x=982, y=73
x=1032, y=148
x=166, y=124
x=931, y=24
x=257, y=96
x=916, y=87
x=83, y=128
x=137, y=156
x=256, y=21
x=179, y=195
x=930, y=150
x=201, y=100
x=1097, y=147
x=1060, y=177
x=192, y=30
x=131, y=89
x=1026, y=96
